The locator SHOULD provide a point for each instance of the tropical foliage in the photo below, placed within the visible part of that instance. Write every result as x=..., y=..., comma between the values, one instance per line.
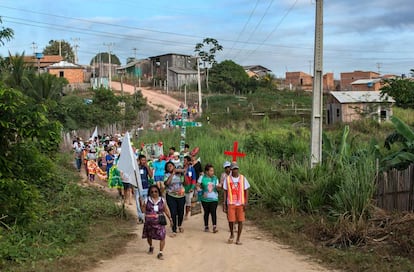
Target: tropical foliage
x=404, y=136
x=401, y=89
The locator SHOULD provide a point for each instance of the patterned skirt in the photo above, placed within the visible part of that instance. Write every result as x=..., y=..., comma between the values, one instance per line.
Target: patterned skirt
x=153, y=230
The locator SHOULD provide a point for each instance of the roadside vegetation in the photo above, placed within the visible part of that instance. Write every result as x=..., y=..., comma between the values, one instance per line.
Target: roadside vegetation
x=48, y=222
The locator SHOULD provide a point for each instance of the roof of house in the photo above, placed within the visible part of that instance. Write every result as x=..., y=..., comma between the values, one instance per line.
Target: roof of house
x=64, y=64
x=255, y=68
x=170, y=54
x=45, y=61
x=361, y=97
x=132, y=64
x=366, y=81
x=179, y=70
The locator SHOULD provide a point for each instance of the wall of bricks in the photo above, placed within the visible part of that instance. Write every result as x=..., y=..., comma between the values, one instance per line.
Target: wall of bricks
x=348, y=77
x=72, y=75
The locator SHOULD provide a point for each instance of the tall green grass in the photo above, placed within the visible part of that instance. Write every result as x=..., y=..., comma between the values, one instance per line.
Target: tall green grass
x=291, y=187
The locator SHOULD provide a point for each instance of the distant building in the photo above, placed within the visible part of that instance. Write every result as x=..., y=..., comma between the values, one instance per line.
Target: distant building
x=348, y=106
x=304, y=81
x=256, y=71
x=173, y=71
x=374, y=84
x=43, y=62
x=136, y=68
x=72, y=72
x=348, y=77
x=299, y=80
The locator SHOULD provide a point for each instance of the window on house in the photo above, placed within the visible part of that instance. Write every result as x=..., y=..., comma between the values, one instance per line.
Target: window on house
x=61, y=74
x=337, y=112
x=383, y=114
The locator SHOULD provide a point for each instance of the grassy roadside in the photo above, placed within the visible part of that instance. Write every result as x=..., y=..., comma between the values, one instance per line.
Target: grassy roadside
x=81, y=226
x=295, y=231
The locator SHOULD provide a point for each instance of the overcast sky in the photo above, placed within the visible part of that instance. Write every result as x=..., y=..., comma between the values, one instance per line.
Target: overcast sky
x=278, y=34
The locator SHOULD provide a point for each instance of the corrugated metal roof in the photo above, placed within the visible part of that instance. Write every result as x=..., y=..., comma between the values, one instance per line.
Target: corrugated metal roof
x=361, y=97
x=366, y=81
x=64, y=64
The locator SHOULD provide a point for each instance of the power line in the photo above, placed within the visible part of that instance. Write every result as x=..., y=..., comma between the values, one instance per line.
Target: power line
x=244, y=28
x=257, y=26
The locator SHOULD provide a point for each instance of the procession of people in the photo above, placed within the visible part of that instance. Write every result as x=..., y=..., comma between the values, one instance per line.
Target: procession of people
x=168, y=187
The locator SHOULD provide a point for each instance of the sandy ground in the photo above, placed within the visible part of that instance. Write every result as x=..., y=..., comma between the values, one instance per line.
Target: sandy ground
x=155, y=99
x=197, y=251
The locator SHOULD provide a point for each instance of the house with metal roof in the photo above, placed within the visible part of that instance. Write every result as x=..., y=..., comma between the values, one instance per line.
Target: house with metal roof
x=72, y=72
x=372, y=84
x=348, y=106
x=256, y=71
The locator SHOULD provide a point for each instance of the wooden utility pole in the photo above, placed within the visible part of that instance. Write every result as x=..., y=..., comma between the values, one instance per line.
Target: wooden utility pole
x=317, y=102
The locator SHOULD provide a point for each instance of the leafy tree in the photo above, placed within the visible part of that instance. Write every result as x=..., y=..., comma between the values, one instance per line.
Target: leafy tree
x=104, y=58
x=401, y=90
x=229, y=77
x=404, y=135
x=207, y=50
x=66, y=50
x=6, y=34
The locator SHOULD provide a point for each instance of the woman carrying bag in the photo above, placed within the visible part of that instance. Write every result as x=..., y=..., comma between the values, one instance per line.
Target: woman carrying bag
x=155, y=210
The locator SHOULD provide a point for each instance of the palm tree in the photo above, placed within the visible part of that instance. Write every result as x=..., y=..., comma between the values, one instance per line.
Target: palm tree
x=16, y=73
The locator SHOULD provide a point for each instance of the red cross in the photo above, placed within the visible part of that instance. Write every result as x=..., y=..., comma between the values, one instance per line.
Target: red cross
x=235, y=153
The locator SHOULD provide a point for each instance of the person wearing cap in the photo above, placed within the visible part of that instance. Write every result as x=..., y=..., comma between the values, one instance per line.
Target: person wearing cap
x=225, y=174
x=236, y=196
x=176, y=160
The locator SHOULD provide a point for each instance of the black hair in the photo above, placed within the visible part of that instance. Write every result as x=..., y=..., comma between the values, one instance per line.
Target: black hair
x=154, y=186
x=186, y=146
x=173, y=148
x=141, y=156
x=207, y=167
x=188, y=158
x=166, y=165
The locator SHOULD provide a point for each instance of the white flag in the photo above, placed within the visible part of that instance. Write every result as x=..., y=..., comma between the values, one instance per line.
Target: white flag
x=127, y=163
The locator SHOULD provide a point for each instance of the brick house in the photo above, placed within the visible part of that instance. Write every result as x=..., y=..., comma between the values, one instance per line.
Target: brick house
x=72, y=72
x=43, y=62
x=374, y=84
x=304, y=81
x=348, y=77
x=347, y=106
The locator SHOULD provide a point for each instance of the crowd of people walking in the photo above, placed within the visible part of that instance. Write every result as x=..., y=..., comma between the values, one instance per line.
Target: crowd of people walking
x=170, y=188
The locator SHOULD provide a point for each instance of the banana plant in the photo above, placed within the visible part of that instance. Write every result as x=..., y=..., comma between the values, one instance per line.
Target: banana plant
x=404, y=135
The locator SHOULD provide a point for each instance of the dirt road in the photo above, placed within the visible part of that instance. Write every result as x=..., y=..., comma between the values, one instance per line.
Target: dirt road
x=161, y=102
x=197, y=251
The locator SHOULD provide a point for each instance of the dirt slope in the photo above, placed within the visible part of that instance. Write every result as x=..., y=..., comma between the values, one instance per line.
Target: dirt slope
x=156, y=99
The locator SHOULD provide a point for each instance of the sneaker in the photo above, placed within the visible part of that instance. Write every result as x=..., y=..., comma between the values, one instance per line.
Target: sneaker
x=160, y=256
x=206, y=229
x=151, y=250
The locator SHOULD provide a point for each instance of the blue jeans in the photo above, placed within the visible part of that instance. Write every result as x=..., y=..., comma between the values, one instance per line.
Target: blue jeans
x=144, y=197
x=78, y=163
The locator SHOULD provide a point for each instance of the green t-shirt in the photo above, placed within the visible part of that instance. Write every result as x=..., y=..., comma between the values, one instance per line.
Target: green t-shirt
x=209, y=188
